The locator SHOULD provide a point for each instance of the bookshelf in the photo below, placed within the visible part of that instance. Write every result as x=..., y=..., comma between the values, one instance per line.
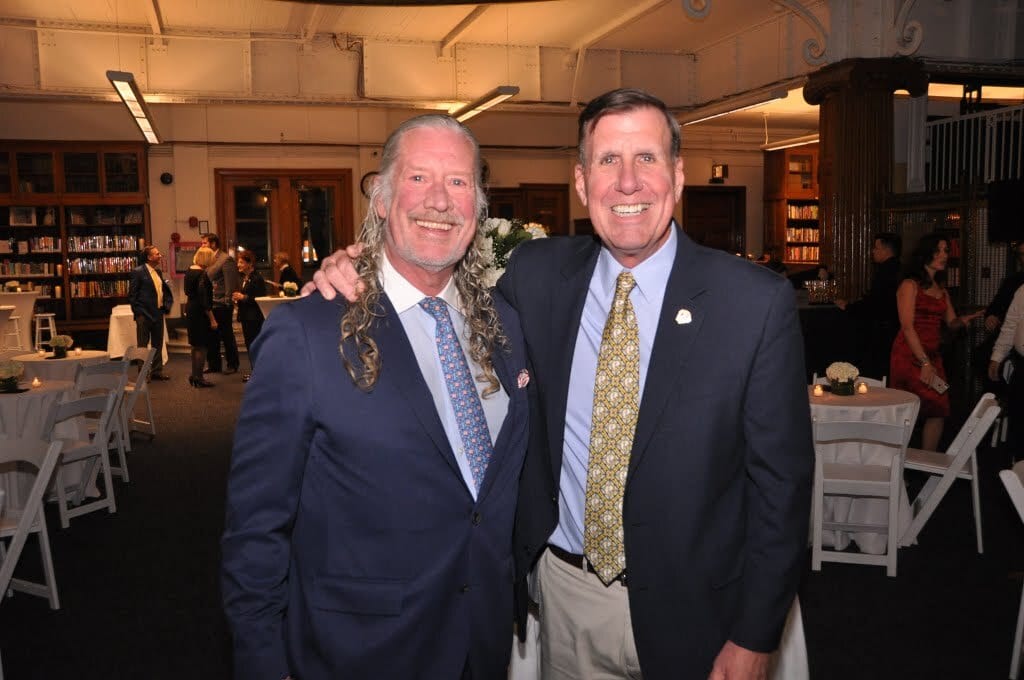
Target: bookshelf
x=792, y=223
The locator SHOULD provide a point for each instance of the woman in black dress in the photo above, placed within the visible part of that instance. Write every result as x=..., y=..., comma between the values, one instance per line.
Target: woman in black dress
x=199, y=313
x=249, y=313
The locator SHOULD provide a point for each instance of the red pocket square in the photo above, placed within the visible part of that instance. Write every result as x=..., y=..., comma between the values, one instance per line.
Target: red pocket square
x=524, y=378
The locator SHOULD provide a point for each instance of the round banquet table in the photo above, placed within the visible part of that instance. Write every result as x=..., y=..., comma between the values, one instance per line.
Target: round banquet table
x=23, y=414
x=879, y=405
x=47, y=368
x=268, y=303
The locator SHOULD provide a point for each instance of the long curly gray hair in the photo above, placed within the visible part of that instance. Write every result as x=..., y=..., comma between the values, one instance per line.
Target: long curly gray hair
x=485, y=333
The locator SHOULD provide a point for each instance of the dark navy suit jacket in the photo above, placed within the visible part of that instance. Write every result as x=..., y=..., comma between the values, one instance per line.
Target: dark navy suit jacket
x=353, y=548
x=717, y=496
x=142, y=294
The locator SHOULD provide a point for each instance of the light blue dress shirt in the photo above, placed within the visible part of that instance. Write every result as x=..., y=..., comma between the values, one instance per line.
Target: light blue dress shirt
x=651, y=277
x=419, y=327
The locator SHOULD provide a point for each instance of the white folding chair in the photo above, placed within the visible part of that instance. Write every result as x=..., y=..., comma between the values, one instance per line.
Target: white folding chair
x=93, y=450
x=1013, y=480
x=960, y=461
x=17, y=523
x=132, y=393
x=870, y=382
x=100, y=378
x=865, y=480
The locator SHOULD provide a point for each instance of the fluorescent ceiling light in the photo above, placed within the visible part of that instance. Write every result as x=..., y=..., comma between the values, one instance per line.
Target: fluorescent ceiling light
x=128, y=91
x=731, y=105
x=793, y=141
x=495, y=96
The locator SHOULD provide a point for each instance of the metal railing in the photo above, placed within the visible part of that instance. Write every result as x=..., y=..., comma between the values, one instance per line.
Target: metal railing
x=975, y=149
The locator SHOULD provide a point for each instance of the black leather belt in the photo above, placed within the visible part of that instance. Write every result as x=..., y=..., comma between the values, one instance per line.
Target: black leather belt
x=578, y=561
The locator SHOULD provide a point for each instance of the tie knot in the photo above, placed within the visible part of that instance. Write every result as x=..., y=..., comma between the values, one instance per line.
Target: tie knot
x=436, y=307
x=624, y=285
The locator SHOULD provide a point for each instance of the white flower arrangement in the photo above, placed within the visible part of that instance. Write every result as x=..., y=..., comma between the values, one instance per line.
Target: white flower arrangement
x=11, y=369
x=499, y=238
x=289, y=289
x=64, y=341
x=841, y=371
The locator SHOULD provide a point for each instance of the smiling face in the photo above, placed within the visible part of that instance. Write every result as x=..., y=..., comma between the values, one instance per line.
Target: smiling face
x=431, y=215
x=630, y=182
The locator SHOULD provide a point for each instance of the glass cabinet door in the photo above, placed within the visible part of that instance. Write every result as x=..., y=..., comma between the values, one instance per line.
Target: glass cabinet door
x=81, y=173
x=5, y=172
x=121, y=172
x=35, y=172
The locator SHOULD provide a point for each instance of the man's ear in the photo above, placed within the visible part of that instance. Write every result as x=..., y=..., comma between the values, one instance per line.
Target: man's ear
x=581, y=184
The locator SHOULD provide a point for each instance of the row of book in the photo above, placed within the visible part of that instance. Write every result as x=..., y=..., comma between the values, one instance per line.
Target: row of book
x=102, y=265
x=802, y=212
x=41, y=244
x=801, y=253
x=104, y=216
x=9, y=268
x=802, y=234
x=125, y=242
x=116, y=288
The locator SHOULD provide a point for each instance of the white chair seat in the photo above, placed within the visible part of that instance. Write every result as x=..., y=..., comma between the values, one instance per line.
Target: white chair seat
x=933, y=462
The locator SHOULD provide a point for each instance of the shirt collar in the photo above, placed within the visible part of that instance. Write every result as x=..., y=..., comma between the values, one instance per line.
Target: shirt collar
x=651, y=275
x=403, y=295
x=150, y=267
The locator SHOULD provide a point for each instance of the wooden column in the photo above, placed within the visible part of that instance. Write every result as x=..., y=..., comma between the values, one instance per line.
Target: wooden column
x=855, y=157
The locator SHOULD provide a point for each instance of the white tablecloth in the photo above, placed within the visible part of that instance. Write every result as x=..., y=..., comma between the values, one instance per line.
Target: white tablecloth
x=121, y=334
x=23, y=415
x=879, y=405
x=24, y=306
x=268, y=303
x=47, y=368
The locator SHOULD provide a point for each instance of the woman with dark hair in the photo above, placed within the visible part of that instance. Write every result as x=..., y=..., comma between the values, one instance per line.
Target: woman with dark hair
x=199, y=313
x=249, y=313
x=923, y=304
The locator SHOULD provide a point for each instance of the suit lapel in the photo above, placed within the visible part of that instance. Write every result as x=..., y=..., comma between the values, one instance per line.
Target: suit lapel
x=400, y=368
x=567, y=302
x=502, y=368
x=672, y=341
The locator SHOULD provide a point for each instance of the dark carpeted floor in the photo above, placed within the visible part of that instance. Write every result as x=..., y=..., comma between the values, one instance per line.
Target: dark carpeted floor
x=140, y=599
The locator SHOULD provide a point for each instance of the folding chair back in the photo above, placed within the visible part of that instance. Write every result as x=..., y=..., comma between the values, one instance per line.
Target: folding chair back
x=132, y=393
x=17, y=526
x=1013, y=480
x=870, y=480
x=958, y=462
x=91, y=451
x=100, y=378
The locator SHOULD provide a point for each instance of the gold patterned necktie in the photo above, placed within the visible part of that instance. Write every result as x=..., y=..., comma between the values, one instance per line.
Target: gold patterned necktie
x=616, y=404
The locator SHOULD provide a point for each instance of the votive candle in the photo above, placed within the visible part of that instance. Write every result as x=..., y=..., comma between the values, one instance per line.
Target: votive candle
x=36, y=382
x=819, y=390
x=42, y=352
x=78, y=350
x=862, y=388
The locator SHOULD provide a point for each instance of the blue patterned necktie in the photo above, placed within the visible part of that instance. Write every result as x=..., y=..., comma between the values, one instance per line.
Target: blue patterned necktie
x=469, y=414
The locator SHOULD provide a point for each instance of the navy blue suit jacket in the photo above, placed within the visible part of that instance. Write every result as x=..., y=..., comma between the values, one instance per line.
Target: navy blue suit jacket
x=142, y=294
x=353, y=548
x=717, y=496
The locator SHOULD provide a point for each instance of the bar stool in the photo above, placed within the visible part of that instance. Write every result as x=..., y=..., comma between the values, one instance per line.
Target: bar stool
x=45, y=321
x=9, y=328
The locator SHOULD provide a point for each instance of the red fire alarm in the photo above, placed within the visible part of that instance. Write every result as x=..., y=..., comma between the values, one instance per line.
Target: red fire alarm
x=193, y=222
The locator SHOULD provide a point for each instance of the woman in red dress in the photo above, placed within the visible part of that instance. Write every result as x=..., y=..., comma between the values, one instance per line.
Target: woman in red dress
x=923, y=304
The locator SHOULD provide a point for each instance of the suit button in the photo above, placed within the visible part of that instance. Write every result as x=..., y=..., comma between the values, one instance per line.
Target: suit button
x=464, y=588
x=554, y=498
x=476, y=519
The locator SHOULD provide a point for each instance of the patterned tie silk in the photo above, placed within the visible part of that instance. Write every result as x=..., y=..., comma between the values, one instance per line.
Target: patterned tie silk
x=469, y=414
x=616, y=405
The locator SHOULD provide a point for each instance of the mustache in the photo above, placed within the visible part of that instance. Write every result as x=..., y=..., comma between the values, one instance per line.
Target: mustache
x=449, y=217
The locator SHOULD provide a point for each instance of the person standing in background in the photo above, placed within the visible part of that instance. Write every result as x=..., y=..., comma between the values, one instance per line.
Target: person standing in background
x=223, y=275
x=876, y=316
x=150, y=297
x=199, y=313
x=249, y=313
x=285, y=272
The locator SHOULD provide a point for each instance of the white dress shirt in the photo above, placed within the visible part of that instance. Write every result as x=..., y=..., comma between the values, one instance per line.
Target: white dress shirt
x=420, y=327
x=1011, y=334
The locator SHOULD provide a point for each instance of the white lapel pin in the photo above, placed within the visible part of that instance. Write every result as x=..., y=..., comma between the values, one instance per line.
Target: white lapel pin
x=683, y=317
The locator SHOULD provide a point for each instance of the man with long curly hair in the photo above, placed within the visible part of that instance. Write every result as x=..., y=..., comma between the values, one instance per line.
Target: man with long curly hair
x=377, y=455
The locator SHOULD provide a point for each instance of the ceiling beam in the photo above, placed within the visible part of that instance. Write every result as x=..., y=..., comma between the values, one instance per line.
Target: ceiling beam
x=460, y=29
x=312, y=24
x=614, y=24
x=156, y=21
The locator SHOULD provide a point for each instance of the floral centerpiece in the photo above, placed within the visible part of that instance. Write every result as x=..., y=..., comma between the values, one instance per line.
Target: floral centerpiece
x=501, y=236
x=12, y=286
x=841, y=375
x=60, y=345
x=10, y=371
x=289, y=289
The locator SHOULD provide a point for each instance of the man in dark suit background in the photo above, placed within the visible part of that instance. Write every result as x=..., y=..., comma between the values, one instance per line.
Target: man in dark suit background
x=688, y=568
x=150, y=296
x=371, y=495
x=875, y=314
x=223, y=274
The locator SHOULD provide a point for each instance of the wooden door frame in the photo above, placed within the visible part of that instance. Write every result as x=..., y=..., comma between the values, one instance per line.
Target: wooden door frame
x=287, y=236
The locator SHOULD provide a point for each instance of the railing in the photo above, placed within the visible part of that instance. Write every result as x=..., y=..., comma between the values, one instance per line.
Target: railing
x=975, y=149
